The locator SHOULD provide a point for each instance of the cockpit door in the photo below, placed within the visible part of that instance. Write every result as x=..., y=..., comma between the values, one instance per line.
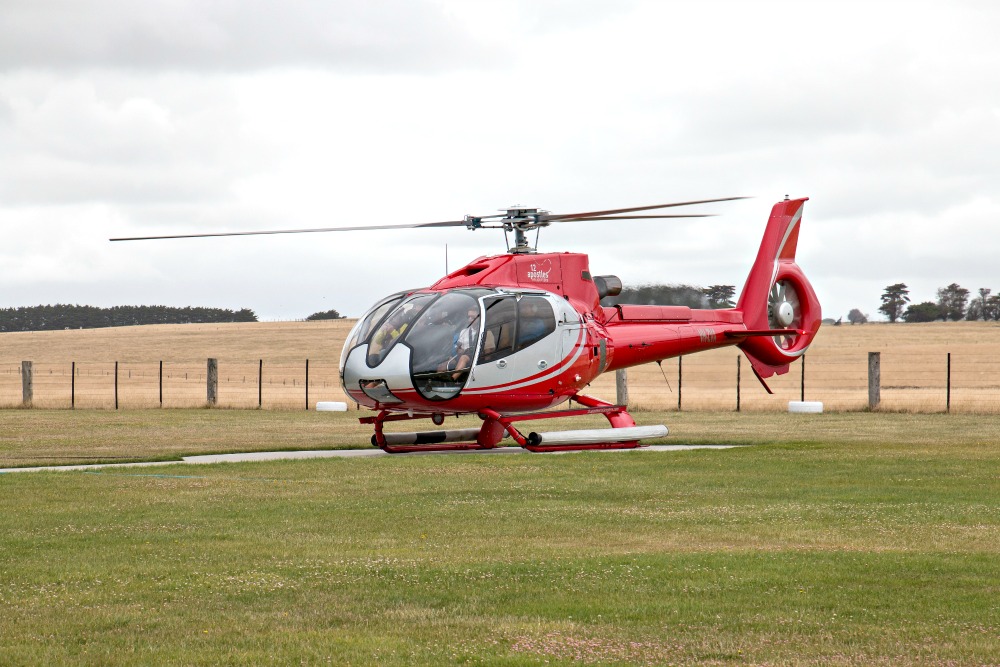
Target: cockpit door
x=495, y=362
x=520, y=342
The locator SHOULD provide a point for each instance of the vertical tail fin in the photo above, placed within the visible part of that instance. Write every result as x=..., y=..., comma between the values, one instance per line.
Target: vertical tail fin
x=777, y=295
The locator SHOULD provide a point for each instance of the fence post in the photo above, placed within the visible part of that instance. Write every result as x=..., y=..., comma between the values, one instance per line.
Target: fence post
x=161, y=382
x=802, y=382
x=948, y=400
x=260, y=384
x=116, y=385
x=621, y=386
x=680, y=380
x=72, y=386
x=738, y=383
x=27, y=384
x=307, y=384
x=874, y=379
x=213, y=381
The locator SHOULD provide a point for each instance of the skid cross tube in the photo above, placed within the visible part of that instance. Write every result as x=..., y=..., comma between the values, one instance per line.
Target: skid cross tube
x=496, y=425
x=617, y=415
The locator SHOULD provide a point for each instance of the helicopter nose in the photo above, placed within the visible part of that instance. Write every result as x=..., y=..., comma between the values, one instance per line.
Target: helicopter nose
x=385, y=381
x=378, y=390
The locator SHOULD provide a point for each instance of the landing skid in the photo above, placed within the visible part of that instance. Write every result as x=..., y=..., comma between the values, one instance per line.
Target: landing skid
x=623, y=434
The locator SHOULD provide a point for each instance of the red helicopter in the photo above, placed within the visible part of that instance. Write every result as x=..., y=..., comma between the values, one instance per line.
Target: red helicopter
x=511, y=336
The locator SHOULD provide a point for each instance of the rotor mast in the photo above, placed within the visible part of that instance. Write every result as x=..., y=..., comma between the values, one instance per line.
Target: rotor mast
x=521, y=220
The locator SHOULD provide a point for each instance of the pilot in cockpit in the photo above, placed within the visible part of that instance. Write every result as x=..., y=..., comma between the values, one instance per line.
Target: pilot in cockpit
x=464, y=345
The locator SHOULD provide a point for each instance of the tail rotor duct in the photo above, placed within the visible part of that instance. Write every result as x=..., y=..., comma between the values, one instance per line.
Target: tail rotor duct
x=784, y=311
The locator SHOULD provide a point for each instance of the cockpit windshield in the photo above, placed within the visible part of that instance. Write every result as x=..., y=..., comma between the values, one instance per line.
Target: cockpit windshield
x=444, y=342
x=446, y=336
x=371, y=319
x=394, y=326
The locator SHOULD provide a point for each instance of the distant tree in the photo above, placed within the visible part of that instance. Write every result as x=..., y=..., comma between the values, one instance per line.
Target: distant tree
x=991, y=308
x=660, y=295
x=927, y=311
x=977, y=306
x=952, y=300
x=894, y=300
x=856, y=317
x=326, y=315
x=720, y=296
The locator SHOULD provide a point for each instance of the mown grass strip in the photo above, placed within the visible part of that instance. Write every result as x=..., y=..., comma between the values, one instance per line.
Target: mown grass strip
x=845, y=551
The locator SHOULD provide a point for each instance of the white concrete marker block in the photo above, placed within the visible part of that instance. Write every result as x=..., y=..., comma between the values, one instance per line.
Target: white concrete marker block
x=814, y=407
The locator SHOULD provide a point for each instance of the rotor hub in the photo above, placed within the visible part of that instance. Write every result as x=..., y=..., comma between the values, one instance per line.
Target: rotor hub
x=785, y=314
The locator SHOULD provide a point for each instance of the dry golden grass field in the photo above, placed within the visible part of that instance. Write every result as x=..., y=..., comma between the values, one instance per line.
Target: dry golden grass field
x=914, y=367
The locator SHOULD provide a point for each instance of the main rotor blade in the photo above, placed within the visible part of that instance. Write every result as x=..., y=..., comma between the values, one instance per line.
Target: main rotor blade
x=592, y=214
x=635, y=217
x=446, y=223
x=610, y=214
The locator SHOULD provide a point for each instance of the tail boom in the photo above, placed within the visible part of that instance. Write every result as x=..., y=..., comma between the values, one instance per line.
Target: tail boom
x=776, y=318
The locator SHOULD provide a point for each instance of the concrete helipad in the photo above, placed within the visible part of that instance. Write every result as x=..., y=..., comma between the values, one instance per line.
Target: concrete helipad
x=331, y=453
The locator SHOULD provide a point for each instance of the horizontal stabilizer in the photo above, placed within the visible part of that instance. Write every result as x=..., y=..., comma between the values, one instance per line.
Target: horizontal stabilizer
x=766, y=332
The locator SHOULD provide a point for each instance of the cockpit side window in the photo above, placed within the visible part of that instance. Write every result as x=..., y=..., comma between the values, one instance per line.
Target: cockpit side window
x=394, y=326
x=535, y=320
x=499, y=334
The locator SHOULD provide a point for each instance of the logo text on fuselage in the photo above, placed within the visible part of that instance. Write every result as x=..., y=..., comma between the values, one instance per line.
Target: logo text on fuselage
x=538, y=275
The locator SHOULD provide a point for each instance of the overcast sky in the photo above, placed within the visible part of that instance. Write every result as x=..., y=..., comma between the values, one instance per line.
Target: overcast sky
x=124, y=118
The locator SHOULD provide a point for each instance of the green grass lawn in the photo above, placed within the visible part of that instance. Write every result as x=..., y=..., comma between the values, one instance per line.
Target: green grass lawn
x=836, y=539
x=54, y=437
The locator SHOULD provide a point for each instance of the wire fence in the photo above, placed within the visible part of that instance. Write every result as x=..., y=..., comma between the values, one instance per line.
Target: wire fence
x=933, y=382
x=133, y=385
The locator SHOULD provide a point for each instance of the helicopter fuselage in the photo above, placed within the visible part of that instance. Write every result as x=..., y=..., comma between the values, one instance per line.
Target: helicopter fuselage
x=507, y=336
x=512, y=333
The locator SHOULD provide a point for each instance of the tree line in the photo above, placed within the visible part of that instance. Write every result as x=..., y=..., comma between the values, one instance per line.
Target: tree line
x=953, y=304
x=65, y=316
x=716, y=296
x=325, y=315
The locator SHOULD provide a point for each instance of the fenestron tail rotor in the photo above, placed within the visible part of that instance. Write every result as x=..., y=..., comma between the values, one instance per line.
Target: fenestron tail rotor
x=515, y=219
x=784, y=311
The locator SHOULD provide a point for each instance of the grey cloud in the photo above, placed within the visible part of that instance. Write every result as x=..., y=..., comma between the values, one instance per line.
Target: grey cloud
x=402, y=35
x=85, y=140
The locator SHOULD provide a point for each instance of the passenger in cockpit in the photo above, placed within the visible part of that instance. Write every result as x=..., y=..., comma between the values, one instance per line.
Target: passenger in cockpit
x=393, y=328
x=469, y=334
